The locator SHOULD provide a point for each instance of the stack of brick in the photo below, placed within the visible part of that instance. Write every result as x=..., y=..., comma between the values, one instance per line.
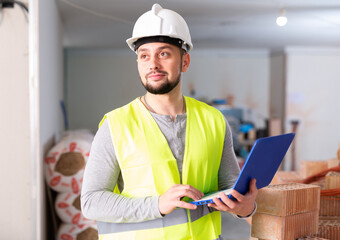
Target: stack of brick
x=312, y=238
x=329, y=227
x=330, y=205
x=304, y=238
x=333, y=162
x=286, y=212
x=286, y=177
x=309, y=168
x=329, y=224
x=332, y=180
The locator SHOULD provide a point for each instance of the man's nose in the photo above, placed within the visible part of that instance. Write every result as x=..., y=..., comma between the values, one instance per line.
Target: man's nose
x=154, y=63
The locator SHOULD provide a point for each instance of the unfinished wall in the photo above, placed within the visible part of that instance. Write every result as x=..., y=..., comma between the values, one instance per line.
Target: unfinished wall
x=313, y=98
x=101, y=80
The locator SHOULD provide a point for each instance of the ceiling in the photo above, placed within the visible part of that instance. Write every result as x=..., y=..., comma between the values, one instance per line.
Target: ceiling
x=240, y=24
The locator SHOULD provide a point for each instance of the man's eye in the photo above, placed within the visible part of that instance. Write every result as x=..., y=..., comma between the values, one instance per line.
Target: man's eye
x=164, y=54
x=143, y=57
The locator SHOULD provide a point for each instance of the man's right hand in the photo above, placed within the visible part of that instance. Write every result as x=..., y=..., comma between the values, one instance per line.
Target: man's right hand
x=171, y=199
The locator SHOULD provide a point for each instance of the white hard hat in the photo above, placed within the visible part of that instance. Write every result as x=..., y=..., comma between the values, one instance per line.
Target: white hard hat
x=161, y=22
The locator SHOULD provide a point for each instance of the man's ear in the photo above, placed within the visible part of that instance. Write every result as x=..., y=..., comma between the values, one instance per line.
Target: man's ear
x=185, y=62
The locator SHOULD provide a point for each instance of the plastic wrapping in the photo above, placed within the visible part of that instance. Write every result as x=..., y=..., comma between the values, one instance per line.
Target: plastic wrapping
x=77, y=232
x=67, y=206
x=65, y=163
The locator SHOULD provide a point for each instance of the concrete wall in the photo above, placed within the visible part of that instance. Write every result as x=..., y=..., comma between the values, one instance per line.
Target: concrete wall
x=313, y=88
x=101, y=80
x=15, y=170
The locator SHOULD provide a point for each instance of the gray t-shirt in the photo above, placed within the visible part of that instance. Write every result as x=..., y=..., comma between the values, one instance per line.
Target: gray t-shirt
x=102, y=173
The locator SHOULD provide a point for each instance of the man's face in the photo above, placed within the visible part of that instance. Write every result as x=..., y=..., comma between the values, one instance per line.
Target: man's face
x=160, y=66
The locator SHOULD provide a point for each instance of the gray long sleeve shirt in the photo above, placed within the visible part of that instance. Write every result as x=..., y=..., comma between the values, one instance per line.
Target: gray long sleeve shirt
x=102, y=173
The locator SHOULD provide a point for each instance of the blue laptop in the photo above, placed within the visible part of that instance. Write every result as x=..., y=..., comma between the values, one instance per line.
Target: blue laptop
x=262, y=163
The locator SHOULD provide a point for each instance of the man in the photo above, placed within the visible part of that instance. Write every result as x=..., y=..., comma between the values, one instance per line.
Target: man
x=152, y=155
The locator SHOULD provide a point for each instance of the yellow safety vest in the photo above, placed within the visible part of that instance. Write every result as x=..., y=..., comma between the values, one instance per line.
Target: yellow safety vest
x=149, y=168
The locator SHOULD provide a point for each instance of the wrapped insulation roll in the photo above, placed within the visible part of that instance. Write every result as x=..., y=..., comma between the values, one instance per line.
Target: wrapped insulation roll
x=65, y=163
x=77, y=232
x=67, y=206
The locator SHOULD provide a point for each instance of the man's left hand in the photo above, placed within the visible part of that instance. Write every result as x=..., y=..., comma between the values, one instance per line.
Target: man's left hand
x=244, y=205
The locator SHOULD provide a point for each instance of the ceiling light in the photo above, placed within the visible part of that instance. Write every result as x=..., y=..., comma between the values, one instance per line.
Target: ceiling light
x=281, y=20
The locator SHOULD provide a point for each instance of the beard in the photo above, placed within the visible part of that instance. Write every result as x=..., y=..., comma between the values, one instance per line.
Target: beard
x=164, y=88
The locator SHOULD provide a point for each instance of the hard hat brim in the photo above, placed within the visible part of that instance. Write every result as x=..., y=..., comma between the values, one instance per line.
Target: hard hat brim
x=131, y=41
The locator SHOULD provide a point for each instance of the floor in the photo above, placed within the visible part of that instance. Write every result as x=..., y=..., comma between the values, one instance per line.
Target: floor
x=234, y=228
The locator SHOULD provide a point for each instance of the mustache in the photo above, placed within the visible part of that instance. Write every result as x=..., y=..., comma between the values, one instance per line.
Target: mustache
x=155, y=72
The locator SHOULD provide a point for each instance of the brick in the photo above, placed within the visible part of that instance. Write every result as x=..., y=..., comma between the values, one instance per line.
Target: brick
x=275, y=126
x=332, y=180
x=288, y=199
x=330, y=206
x=332, y=218
x=333, y=162
x=291, y=227
x=329, y=228
x=309, y=168
x=312, y=238
x=286, y=177
x=321, y=183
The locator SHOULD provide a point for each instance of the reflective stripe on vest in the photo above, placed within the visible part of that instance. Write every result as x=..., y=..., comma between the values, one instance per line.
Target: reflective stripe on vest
x=149, y=168
x=154, y=230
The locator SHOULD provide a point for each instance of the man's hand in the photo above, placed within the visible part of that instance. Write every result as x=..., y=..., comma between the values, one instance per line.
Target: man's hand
x=171, y=199
x=244, y=205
